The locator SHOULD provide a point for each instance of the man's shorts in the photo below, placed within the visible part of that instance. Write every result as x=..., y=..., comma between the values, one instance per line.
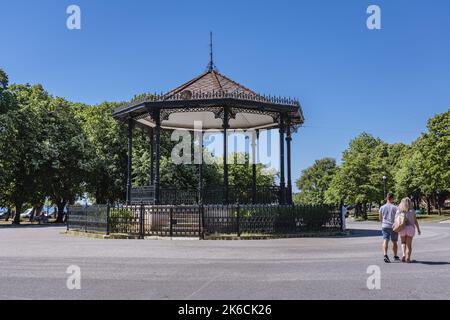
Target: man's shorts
x=389, y=234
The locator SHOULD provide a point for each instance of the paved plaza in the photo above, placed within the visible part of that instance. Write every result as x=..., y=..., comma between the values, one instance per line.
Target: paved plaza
x=34, y=261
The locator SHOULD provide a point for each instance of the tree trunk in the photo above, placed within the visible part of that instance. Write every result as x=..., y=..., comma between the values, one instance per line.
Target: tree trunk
x=438, y=204
x=18, y=211
x=37, y=211
x=358, y=210
x=416, y=203
x=428, y=205
x=61, y=205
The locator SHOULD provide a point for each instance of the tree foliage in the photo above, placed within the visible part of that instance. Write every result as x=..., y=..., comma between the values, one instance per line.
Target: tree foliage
x=107, y=150
x=424, y=169
x=315, y=181
x=353, y=182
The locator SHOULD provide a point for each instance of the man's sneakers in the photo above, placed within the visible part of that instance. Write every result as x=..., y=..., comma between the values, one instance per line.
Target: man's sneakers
x=387, y=260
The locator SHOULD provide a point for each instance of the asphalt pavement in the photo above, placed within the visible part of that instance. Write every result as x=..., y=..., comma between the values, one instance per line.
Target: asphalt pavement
x=34, y=264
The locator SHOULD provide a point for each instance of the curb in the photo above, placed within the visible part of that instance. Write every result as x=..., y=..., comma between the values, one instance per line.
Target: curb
x=101, y=236
x=275, y=237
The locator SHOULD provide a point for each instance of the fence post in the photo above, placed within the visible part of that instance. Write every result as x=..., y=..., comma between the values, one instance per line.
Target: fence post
x=141, y=221
x=238, y=220
x=67, y=218
x=341, y=215
x=86, y=220
x=171, y=221
x=200, y=222
x=107, y=219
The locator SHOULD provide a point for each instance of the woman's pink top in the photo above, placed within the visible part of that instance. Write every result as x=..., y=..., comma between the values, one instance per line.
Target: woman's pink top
x=410, y=228
x=411, y=216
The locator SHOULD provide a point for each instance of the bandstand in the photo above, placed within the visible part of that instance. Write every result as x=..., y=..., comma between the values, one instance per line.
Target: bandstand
x=220, y=104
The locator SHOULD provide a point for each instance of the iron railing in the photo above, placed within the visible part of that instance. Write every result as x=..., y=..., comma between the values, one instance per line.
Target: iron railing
x=88, y=219
x=143, y=194
x=143, y=220
x=198, y=95
x=210, y=195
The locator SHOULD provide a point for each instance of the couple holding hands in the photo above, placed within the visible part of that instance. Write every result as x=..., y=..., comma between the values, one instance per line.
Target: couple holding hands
x=398, y=221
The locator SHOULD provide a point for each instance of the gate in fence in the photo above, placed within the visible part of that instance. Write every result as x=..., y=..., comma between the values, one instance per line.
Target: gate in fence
x=150, y=220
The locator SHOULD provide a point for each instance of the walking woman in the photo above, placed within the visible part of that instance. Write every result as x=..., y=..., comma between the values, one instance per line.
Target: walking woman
x=409, y=231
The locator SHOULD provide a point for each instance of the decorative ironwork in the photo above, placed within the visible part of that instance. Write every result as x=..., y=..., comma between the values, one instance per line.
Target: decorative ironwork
x=211, y=95
x=210, y=195
x=202, y=220
x=260, y=111
x=143, y=194
x=217, y=111
x=165, y=113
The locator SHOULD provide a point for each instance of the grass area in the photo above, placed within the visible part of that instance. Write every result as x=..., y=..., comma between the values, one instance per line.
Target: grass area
x=434, y=217
x=24, y=222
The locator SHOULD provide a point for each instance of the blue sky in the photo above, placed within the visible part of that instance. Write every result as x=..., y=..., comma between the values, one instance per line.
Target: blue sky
x=349, y=79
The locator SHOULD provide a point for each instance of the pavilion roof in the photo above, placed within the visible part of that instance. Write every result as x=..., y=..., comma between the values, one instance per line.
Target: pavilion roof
x=212, y=90
x=211, y=81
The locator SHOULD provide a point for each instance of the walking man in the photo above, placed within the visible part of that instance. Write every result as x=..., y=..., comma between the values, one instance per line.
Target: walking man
x=387, y=218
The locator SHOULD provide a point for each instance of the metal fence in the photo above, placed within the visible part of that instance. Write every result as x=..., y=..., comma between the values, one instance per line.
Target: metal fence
x=275, y=219
x=203, y=220
x=88, y=219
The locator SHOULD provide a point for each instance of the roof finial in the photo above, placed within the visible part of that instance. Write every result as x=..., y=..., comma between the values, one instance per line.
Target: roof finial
x=211, y=65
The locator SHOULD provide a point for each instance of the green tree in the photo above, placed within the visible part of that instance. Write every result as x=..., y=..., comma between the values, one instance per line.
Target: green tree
x=20, y=141
x=240, y=172
x=437, y=157
x=5, y=169
x=384, y=162
x=67, y=164
x=107, y=149
x=408, y=178
x=315, y=181
x=352, y=182
x=6, y=98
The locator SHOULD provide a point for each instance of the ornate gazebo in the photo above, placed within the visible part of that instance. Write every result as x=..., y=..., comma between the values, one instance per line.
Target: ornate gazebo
x=220, y=104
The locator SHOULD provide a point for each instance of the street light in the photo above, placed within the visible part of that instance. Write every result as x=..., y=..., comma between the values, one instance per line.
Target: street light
x=384, y=186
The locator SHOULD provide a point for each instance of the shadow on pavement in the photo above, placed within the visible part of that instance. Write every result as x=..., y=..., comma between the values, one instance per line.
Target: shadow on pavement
x=361, y=233
x=432, y=263
x=32, y=226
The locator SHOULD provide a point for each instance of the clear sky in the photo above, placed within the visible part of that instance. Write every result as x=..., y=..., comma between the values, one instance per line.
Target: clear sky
x=348, y=78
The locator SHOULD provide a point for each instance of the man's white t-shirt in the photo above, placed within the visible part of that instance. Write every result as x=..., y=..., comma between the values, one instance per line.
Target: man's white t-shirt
x=388, y=212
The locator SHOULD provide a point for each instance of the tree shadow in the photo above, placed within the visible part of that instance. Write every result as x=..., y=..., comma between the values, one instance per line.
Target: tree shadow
x=32, y=226
x=362, y=233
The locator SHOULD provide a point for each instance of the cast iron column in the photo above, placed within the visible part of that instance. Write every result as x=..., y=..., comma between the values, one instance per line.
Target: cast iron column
x=254, y=137
x=225, y=154
x=130, y=159
x=151, y=172
x=282, y=179
x=289, y=164
x=200, y=171
x=157, y=119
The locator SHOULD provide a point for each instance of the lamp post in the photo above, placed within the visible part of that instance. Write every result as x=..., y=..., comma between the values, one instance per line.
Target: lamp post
x=384, y=186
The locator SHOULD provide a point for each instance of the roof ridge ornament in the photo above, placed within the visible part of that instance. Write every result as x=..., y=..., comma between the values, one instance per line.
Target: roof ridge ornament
x=211, y=66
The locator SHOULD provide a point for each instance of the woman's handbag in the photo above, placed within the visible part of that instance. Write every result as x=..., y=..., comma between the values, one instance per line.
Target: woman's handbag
x=400, y=222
